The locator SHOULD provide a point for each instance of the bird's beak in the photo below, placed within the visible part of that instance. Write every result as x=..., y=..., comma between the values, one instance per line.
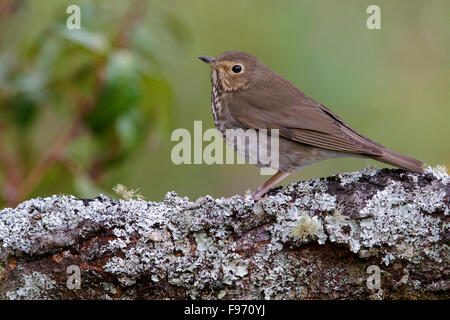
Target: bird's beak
x=211, y=61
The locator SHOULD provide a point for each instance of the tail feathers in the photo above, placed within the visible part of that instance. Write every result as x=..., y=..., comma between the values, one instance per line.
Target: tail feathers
x=399, y=160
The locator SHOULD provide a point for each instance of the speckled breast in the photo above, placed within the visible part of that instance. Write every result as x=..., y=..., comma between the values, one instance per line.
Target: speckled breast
x=216, y=105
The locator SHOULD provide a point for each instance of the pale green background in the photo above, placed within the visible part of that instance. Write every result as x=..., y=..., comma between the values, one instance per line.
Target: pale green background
x=392, y=85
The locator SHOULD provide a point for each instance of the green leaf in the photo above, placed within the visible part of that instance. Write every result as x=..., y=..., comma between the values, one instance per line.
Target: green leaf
x=23, y=110
x=92, y=41
x=120, y=94
x=156, y=103
x=129, y=130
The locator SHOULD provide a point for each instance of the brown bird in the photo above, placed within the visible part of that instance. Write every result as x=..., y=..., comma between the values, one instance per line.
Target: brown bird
x=246, y=94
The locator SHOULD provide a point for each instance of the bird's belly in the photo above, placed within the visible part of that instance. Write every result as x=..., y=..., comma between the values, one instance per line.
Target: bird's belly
x=253, y=146
x=250, y=144
x=258, y=148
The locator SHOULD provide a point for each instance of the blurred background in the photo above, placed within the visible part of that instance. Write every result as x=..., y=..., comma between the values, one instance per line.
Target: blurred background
x=84, y=110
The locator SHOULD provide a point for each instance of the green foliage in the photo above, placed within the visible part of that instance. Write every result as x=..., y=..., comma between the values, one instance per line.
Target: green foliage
x=96, y=93
x=22, y=109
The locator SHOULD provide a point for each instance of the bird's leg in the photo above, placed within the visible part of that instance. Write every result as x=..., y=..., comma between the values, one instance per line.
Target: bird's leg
x=277, y=177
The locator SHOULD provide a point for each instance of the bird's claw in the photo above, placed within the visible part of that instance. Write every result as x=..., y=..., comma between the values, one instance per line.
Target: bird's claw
x=256, y=196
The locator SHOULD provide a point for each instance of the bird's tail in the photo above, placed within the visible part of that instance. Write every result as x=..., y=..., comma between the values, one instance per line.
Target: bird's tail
x=399, y=160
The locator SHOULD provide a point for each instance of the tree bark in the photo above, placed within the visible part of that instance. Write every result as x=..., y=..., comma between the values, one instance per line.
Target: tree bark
x=378, y=234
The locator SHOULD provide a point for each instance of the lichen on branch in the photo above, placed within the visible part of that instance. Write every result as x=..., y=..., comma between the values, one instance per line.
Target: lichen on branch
x=311, y=239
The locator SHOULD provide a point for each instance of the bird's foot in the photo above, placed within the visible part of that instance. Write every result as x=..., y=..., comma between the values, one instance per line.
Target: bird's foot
x=257, y=195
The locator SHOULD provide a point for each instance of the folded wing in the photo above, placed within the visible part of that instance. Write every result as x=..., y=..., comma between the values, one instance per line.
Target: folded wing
x=301, y=119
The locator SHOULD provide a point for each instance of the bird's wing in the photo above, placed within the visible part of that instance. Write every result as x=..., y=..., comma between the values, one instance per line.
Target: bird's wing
x=297, y=117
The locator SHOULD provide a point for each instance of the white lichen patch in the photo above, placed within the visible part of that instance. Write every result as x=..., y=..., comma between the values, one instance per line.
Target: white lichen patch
x=397, y=215
x=39, y=217
x=35, y=286
x=431, y=199
x=233, y=270
x=351, y=177
x=313, y=195
x=439, y=172
x=281, y=279
x=109, y=288
x=342, y=229
x=212, y=248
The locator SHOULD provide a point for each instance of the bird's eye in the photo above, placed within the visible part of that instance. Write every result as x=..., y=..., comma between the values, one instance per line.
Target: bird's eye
x=236, y=68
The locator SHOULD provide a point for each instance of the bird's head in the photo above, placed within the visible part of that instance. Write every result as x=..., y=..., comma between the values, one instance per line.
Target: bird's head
x=235, y=70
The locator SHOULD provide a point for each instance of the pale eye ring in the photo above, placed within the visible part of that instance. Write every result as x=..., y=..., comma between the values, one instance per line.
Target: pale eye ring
x=237, y=68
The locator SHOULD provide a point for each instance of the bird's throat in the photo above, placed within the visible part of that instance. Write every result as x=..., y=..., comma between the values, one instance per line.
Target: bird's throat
x=216, y=105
